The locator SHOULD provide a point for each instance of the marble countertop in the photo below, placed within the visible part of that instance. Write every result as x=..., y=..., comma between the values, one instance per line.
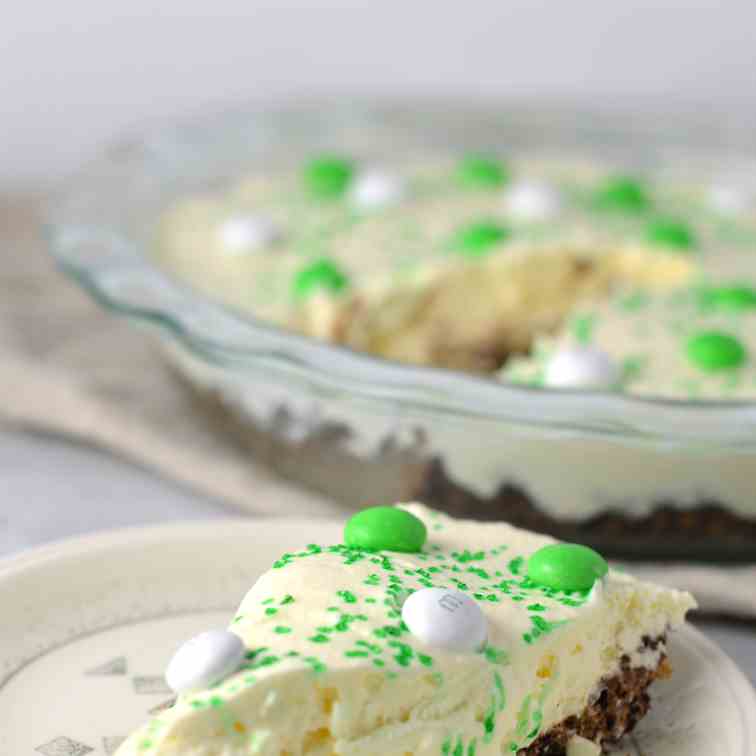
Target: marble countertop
x=53, y=489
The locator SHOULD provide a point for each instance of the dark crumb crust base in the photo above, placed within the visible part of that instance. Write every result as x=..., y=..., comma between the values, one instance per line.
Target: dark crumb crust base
x=622, y=702
x=707, y=530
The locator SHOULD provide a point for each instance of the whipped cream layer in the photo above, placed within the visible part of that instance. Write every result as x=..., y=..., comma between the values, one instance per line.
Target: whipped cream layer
x=331, y=669
x=569, y=476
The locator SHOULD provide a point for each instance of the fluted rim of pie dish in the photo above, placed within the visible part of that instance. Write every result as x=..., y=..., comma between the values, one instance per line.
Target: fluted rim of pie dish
x=94, y=232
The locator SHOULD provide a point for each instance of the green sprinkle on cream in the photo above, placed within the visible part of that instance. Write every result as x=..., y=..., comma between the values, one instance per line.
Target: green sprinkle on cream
x=583, y=327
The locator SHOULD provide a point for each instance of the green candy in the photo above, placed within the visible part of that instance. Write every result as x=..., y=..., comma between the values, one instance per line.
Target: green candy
x=670, y=233
x=481, y=171
x=566, y=567
x=327, y=176
x=320, y=274
x=478, y=239
x=733, y=298
x=385, y=528
x=623, y=194
x=713, y=351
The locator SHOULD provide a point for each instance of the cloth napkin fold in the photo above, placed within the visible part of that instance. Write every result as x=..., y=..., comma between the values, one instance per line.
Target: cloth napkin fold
x=69, y=368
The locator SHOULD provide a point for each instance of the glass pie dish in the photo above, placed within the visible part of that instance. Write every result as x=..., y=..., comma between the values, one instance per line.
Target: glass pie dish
x=633, y=476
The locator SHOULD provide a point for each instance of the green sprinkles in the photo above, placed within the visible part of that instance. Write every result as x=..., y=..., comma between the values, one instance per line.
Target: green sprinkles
x=468, y=556
x=634, y=301
x=496, y=656
x=405, y=653
x=315, y=664
x=633, y=367
x=582, y=328
x=347, y=597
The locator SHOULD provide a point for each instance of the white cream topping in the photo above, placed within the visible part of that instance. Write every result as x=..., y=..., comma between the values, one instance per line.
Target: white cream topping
x=588, y=476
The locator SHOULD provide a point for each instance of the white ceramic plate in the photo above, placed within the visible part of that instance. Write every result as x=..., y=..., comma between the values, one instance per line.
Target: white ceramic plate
x=87, y=625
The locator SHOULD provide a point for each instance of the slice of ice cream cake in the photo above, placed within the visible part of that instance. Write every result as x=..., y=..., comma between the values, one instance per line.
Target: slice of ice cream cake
x=421, y=634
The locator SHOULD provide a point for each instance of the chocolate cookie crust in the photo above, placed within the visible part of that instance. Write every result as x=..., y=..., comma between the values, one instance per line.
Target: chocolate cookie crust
x=622, y=702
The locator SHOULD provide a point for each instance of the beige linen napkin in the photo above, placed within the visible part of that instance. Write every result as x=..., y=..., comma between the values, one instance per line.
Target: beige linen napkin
x=68, y=367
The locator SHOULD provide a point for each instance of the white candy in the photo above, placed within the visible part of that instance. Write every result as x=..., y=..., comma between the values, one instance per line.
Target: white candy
x=730, y=200
x=532, y=201
x=248, y=233
x=581, y=367
x=445, y=618
x=374, y=190
x=205, y=660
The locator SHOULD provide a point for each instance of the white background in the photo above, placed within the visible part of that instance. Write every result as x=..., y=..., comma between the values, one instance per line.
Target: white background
x=74, y=73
